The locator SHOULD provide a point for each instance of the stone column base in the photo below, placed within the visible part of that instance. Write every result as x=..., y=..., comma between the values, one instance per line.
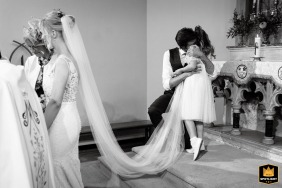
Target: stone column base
x=236, y=132
x=268, y=140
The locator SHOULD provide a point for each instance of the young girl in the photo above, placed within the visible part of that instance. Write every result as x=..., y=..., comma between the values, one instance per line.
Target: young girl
x=198, y=100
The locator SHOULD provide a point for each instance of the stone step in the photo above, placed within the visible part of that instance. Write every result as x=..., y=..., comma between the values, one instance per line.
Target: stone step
x=168, y=176
x=220, y=166
x=249, y=140
x=162, y=180
x=108, y=173
x=119, y=137
x=92, y=176
x=226, y=163
x=122, y=131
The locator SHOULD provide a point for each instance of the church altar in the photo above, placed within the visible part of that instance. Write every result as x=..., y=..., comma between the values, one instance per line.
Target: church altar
x=249, y=82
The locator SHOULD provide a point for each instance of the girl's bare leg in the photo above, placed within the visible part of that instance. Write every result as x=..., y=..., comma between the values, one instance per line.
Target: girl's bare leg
x=191, y=128
x=195, y=141
x=200, y=129
x=200, y=132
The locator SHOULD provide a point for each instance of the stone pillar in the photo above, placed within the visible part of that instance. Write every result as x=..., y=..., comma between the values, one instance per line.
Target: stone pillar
x=236, y=120
x=270, y=93
x=268, y=135
x=236, y=97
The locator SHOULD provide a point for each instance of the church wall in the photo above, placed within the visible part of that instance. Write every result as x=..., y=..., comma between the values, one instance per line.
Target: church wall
x=114, y=34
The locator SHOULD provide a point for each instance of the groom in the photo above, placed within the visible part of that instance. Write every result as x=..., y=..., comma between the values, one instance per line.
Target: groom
x=175, y=59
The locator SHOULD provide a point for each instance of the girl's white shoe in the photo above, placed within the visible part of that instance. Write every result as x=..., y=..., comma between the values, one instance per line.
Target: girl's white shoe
x=191, y=151
x=196, y=145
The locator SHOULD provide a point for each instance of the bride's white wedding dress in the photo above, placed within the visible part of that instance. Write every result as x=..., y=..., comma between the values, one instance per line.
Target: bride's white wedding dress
x=64, y=132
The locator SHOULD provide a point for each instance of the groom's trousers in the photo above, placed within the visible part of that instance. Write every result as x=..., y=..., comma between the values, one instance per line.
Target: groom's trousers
x=158, y=107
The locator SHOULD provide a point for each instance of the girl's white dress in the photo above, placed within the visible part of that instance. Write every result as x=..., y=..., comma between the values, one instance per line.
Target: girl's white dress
x=65, y=130
x=197, y=97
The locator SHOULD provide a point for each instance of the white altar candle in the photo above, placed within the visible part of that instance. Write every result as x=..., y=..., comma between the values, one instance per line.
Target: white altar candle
x=257, y=46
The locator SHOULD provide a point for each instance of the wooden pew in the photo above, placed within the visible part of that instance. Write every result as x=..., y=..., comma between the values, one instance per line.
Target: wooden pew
x=122, y=131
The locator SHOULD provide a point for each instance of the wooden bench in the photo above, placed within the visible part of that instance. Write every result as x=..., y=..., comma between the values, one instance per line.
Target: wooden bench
x=122, y=131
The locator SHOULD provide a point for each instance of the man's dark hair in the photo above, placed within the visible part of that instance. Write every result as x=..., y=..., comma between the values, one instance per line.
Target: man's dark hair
x=184, y=36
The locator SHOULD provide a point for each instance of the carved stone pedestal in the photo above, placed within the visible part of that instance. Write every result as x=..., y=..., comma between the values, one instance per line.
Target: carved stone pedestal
x=236, y=78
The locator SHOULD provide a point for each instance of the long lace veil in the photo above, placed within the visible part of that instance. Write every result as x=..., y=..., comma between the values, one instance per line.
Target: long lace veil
x=164, y=146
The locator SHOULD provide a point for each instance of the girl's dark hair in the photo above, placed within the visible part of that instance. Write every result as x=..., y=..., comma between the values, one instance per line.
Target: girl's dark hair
x=204, y=42
x=184, y=36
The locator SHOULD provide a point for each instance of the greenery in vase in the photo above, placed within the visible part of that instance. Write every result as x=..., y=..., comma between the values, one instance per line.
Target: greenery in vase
x=241, y=26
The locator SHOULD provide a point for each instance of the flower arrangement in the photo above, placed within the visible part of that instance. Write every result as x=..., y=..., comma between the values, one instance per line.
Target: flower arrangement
x=266, y=23
x=241, y=27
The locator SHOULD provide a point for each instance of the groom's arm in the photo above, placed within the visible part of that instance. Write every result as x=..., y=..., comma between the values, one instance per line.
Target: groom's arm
x=169, y=81
x=175, y=81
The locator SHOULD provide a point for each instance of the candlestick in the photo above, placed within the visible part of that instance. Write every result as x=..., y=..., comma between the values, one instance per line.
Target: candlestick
x=258, y=8
x=257, y=46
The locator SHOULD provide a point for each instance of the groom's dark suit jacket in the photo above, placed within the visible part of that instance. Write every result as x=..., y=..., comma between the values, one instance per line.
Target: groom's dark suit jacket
x=175, y=62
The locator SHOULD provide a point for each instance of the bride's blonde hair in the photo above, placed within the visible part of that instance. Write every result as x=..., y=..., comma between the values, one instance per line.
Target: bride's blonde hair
x=52, y=21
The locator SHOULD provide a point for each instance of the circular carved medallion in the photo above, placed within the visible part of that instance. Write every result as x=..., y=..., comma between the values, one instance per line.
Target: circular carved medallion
x=280, y=73
x=242, y=71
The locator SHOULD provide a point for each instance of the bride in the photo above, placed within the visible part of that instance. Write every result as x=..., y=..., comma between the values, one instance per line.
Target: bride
x=62, y=119
x=70, y=73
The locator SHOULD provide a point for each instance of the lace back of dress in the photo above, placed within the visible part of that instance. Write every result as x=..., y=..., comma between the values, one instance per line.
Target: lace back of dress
x=72, y=83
